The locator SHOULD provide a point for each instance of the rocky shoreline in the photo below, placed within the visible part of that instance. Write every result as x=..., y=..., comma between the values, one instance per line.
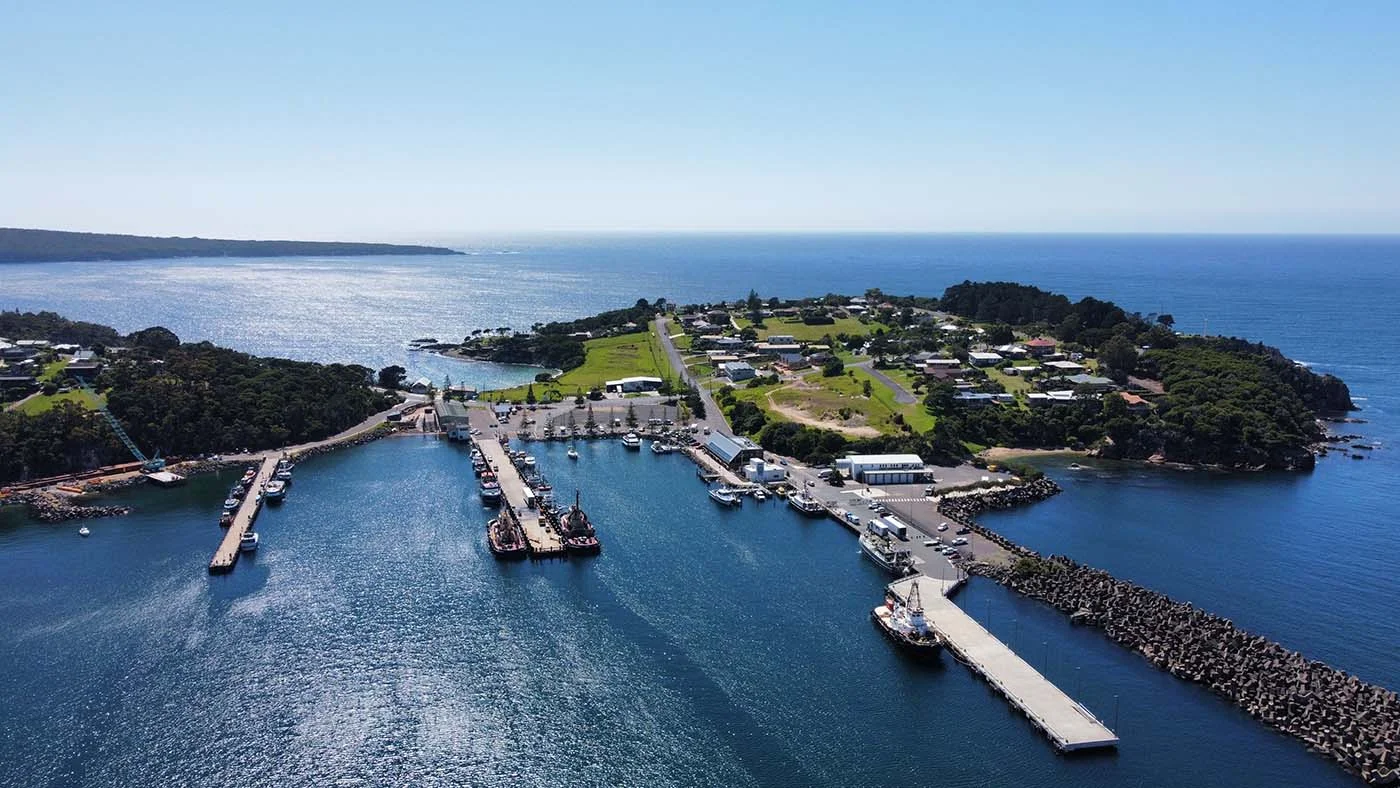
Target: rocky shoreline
x=1355, y=723
x=49, y=508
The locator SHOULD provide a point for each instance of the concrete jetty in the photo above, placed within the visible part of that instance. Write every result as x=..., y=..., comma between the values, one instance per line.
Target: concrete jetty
x=1067, y=724
x=227, y=554
x=542, y=539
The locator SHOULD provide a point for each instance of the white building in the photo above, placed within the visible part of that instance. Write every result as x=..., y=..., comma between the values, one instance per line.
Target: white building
x=1068, y=367
x=631, y=385
x=984, y=359
x=762, y=473
x=738, y=370
x=884, y=468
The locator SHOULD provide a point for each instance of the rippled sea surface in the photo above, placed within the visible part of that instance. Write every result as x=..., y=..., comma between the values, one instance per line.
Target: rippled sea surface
x=372, y=640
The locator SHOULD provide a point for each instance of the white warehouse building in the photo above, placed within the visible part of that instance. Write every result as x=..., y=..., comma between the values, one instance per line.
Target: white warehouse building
x=884, y=468
x=762, y=473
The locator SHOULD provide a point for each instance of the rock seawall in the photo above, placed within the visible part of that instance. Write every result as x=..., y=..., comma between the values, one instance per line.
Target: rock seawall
x=1355, y=723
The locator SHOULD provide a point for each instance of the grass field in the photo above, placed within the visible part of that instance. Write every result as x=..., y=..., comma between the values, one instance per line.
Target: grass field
x=41, y=403
x=805, y=333
x=609, y=358
x=834, y=394
x=1012, y=383
x=51, y=371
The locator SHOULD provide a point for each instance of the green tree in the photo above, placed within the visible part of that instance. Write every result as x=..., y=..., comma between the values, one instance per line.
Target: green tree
x=631, y=415
x=1119, y=354
x=865, y=388
x=391, y=377
x=530, y=398
x=833, y=367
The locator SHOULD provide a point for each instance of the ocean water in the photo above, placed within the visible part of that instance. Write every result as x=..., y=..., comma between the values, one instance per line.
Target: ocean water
x=373, y=640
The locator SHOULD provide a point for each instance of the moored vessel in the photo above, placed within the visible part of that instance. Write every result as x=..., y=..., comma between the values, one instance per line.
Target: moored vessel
x=632, y=441
x=725, y=496
x=275, y=490
x=504, y=538
x=577, y=530
x=878, y=548
x=803, y=502
x=572, y=453
x=903, y=622
x=248, y=542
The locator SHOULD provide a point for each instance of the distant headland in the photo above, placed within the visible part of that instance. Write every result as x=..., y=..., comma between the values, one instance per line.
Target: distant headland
x=52, y=246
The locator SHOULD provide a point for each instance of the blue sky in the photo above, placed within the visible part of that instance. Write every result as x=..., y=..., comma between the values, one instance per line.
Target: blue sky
x=426, y=120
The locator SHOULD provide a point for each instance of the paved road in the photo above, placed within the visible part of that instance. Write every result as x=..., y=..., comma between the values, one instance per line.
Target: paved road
x=901, y=395
x=714, y=417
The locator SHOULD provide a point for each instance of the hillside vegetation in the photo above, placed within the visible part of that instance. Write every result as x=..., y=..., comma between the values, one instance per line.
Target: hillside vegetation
x=47, y=246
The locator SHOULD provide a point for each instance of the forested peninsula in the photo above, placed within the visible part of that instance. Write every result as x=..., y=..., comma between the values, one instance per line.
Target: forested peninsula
x=52, y=246
x=172, y=397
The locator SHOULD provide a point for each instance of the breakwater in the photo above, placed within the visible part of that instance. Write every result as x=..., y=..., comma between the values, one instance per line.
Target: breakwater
x=1355, y=723
x=49, y=508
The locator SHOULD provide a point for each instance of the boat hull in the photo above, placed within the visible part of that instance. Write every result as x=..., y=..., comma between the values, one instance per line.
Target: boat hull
x=880, y=560
x=816, y=511
x=585, y=546
x=923, y=648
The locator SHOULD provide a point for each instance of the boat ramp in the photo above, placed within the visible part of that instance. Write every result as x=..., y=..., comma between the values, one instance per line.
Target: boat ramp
x=1065, y=721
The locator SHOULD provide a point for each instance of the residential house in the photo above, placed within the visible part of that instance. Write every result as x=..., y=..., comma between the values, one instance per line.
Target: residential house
x=1065, y=367
x=1040, y=347
x=737, y=371
x=1012, y=351
x=1135, y=403
x=984, y=359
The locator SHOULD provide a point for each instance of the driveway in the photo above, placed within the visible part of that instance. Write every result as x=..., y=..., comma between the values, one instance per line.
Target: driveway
x=901, y=395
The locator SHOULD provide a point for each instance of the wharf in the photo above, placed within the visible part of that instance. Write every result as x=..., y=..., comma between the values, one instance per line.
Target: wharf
x=542, y=539
x=227, y=554
x=1066, y=722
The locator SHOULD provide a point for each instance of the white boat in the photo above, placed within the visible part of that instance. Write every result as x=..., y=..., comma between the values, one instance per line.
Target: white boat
x=573, y=453
x=902, y=620
x=760, y=495
x=275, y=490
x=529, y=462
x=661, y=447
x=725, y=496
x=877, y=548
x=632, y=441
x=83, y=531
x=803, y=502
x=248, y=542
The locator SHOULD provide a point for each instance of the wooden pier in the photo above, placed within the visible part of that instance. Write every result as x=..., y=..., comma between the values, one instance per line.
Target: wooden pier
x=543, y=541
x=227, y=554
x=1067, y=724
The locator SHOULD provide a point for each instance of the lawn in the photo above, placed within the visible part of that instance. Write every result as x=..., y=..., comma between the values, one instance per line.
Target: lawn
x=847, y=391
x=42, y=402
x=1012, y=383
x=51, y=371
x=609, y=358
x=805, y=333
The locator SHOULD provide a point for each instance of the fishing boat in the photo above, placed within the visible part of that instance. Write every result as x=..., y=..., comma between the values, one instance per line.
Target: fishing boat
x=284, y=475
x=504, y=538
x=632, y=441
x=237, y=491
x=529, y=462
x=275, y=490
x=803, y=502
x=661, y=447
x=490, y=491
x=760, y=495
x=226, y=519
x=725, y=496
x=83, y=531
x=579, y=535
x=248, y=542
x=903, y=622
x=231, y=504
x=572, y=453
x=878, y=548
